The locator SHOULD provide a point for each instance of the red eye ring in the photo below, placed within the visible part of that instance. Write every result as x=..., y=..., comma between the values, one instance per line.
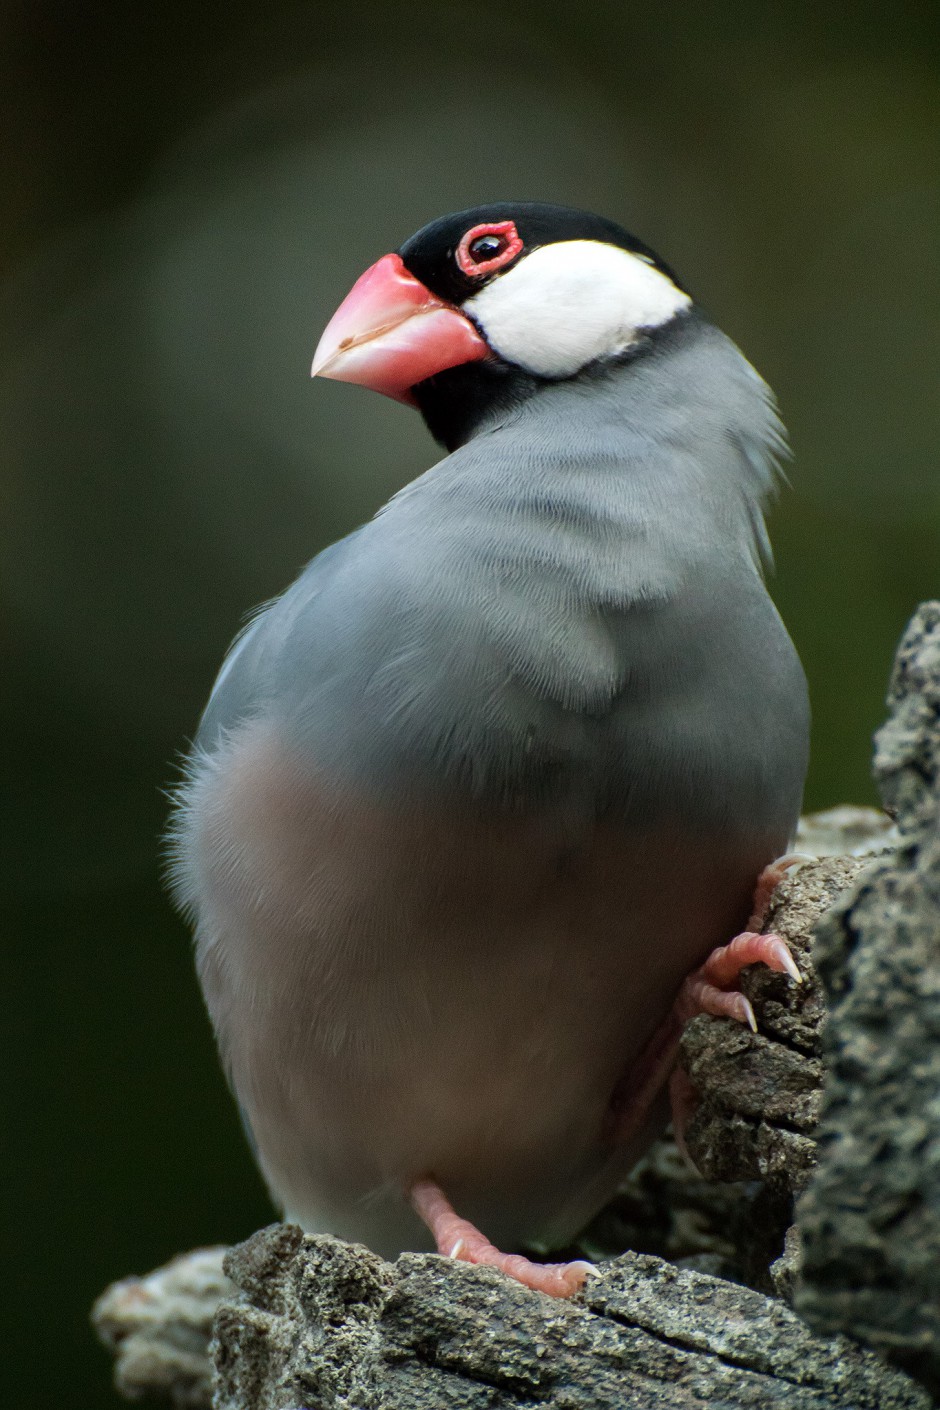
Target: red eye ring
x=504, y=230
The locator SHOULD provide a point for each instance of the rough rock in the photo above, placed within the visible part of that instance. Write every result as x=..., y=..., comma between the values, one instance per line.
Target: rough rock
x=324, y=1324
x=870, y=1218
x=760, y=1093
x=159, y=1327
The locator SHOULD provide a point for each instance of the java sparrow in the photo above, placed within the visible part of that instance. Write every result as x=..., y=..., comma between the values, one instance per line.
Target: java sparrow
x=476, y=794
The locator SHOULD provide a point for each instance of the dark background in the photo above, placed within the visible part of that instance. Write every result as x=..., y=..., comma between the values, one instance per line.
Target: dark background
x=187, y=193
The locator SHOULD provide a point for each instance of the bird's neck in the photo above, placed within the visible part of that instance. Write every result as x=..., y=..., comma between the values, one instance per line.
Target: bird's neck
x=463, y=402
x=618, y=481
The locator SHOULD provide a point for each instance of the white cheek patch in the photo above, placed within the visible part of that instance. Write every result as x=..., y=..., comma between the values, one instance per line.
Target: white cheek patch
x=567, y=304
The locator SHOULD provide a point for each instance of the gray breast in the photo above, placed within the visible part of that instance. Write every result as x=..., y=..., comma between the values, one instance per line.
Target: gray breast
x=572, y=603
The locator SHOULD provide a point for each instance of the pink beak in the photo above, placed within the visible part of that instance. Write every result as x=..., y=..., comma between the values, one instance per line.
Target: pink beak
x=390, y=333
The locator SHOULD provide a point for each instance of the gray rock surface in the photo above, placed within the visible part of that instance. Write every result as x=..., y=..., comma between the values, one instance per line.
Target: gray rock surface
x=870, y=1218
x=158, y=1328
x=761, y=1093
x=324, y=1324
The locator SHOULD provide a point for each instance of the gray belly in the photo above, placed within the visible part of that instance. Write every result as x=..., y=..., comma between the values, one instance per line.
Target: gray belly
x=403, y=989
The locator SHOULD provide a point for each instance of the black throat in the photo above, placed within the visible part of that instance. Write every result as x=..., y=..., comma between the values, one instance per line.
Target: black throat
x=456, y=404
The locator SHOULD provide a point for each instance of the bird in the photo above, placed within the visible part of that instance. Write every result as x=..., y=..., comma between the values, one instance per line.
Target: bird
x=474, y=798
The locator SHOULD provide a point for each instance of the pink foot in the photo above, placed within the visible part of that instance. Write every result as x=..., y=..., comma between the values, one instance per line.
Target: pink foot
x=707, y=990
x=458, y=1238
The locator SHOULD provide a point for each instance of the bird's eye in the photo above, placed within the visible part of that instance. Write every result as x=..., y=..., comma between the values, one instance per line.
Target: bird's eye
x=487, y=248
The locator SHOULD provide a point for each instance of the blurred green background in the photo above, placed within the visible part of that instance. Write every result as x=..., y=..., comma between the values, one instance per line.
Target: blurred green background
x=188, y=192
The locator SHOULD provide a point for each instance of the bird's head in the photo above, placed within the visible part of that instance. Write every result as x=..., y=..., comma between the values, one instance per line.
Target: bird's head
x=479, y=309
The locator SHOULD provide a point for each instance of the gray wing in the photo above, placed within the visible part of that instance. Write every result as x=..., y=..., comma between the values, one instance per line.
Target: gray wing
x=247, y=676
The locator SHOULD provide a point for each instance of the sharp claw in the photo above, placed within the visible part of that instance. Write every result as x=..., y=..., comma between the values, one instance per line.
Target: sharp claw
x=457, y=1249
x=748, y=1013
x=786, y=962
x=588, y=1269
x=789, y=964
